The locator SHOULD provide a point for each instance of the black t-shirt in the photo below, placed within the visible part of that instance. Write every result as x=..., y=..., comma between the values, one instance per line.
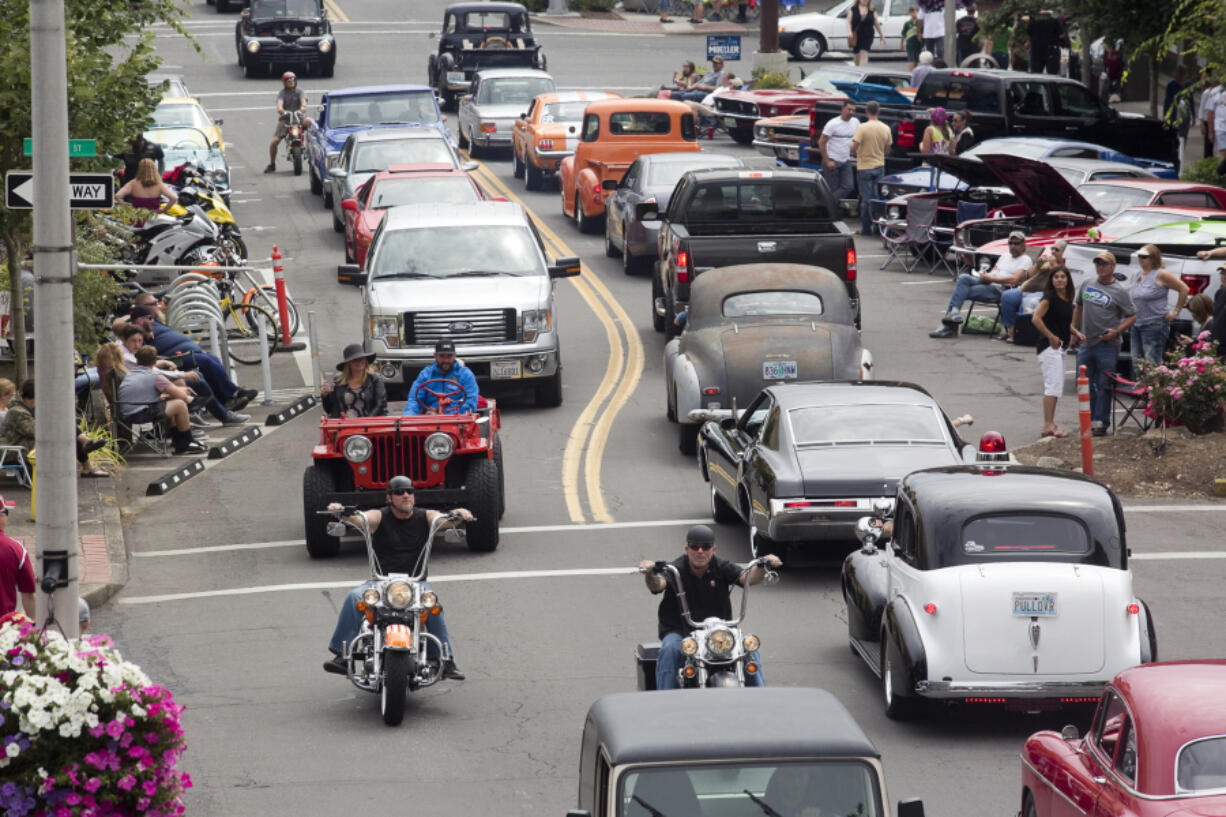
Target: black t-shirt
x=399, y=542
x=1058, y=319
x=706, y=597
x=964, y=141
x=966, y=28
x=1045, y=33
x=148, y=150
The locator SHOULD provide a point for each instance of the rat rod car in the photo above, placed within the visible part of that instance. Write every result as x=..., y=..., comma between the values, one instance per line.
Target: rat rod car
x=477, y=36
x=454, y=460
x=678, y=754
x=1156, y=746
x=1002, y=584
x=293, y=33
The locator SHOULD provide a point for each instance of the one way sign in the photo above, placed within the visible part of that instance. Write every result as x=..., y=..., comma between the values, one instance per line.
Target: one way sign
x=86, y=191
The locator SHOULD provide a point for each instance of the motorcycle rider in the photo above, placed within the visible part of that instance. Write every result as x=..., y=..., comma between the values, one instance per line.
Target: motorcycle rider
x=707, y=581
x=444, y=367
x=398, y=533
x=289, y=99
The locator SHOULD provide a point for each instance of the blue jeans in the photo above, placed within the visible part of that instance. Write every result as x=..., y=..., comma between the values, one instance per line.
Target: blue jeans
x=690, y=96
x=841, y=180
x=969, y=288
x=669, y=662
x=202, y=388
x=1002, y=59
x=1099, y=360
x=868, y=180
x=349, y=622
x=212, y=370
x=1010, y=306
x=1148, y=342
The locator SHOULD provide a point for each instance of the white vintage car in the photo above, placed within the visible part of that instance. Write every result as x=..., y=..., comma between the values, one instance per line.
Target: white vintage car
x=809, y=36
x=1002, y=585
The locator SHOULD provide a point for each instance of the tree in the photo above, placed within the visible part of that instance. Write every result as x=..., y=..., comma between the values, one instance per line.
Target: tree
x=1195, y=28
x=110, y=51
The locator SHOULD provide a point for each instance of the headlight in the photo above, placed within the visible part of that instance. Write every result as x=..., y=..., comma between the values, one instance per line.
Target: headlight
x=893, y=213
x=751, y=643
x=399, y=595
x=429, y=599
x=386, y=328
x=534, y=322
x=325, y=45
x=371, y=596
x=883, y=191
x=721, y=642
x=253, y=46
x=217, y=176
x=439, y=446
x=357, y=448
x=688, y=646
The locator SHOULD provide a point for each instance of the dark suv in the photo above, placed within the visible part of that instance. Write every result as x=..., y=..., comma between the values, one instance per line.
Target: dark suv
x=292, y=33
x=477, y=36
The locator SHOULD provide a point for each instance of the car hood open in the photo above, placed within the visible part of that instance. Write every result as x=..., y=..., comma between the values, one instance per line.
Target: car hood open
x=1038, y=185
x=972, y=171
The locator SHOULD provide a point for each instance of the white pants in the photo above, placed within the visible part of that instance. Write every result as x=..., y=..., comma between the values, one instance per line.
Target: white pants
x=1051, y=364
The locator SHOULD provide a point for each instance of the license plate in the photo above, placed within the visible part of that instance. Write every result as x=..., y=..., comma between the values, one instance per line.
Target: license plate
x=455, y=76
x=729, y=122
x=505, y=370
x=789, y=153
x=1042, y=605
x=779, y=370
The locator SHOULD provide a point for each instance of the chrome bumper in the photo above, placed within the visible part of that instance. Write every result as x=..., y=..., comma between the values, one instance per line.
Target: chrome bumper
x=822, y=521
x=787, y=151
x=1030, y=690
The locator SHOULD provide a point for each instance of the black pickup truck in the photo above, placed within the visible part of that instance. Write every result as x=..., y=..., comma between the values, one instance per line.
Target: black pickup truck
x=479, y=35
x=725, y=216
x=1011, y=103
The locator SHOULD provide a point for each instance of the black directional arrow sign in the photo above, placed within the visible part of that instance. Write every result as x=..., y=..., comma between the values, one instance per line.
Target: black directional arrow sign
x=86, y=191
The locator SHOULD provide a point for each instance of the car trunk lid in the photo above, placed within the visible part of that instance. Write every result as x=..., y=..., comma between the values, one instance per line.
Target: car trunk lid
x=865, y=469
x=796, y=352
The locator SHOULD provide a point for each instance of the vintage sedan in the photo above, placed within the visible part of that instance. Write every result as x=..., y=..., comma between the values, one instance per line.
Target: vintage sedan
x=1001, y=585
x=548, y=133
x=804, y=462
x=191, y=146
x=291, y=33
x=1156, y=746
x=496, y=100
x=187, y=112
x=808, y=36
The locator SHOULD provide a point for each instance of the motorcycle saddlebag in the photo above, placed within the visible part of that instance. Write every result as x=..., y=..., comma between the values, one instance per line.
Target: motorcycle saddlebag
x=645, y=656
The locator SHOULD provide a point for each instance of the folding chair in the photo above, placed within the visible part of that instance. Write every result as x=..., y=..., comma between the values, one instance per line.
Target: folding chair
x=1131, y=397
x=13, y=463
x=971, y=311
x=901, y=239
x=922, y=214
x=967, y=211
x=152, y=434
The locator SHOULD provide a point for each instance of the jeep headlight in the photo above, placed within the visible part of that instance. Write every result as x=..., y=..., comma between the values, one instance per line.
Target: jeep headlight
x=370, y=596
x=689, y=646
x=399, y=595
x=535, y=321
x=439, y=446
x=357, y=448
x=387, y=329
x=429, y=599
x=721, y=642
x=253, y=46
x=325, y=45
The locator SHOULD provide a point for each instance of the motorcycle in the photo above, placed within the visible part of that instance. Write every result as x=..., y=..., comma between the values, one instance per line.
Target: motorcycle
x=216, y=210
x=187, y=240
x=388, y=656
x=295, y=140
x=716, y=652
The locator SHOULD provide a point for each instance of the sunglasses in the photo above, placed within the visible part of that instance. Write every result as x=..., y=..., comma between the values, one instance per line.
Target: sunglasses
x=1015, y=242
x=400, y=493
x=1099, y=261
x=699, y=547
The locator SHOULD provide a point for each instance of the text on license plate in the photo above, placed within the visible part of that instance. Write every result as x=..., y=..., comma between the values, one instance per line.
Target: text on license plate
x=505, y=370
x=729, y=122
x=790, y=153
x=779, y=370
x=1034, y=604
x=455, y=76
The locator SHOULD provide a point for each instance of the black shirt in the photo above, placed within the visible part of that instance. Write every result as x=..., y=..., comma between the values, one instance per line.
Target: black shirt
x=964, y=141
x=1045, y=32
x=399, y=542
x=706, y=597
x=1058, y=319
x=147, y=150
x=966, y=29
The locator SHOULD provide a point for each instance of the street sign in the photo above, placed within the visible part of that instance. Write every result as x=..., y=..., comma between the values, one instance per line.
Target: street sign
x=727, y=46
x=77, y=148
x=86, y=191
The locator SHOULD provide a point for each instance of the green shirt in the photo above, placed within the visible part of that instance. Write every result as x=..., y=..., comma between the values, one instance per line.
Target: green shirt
x=908, y=30
x=1000, y=38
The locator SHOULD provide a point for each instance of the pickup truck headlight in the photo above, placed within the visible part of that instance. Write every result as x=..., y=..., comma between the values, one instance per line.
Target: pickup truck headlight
x=253, y=46
x=325, y=45
x=536, y=321
x=386, y=328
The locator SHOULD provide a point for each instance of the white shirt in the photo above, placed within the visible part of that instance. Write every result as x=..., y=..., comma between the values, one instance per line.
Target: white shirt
x=934, y=24
x=708, y=101
x=1218, y=106
x=839, y=133
x=1207, y=100
x=1007, y=264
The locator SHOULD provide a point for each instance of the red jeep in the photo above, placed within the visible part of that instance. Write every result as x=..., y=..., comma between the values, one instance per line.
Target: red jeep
x=454, y=460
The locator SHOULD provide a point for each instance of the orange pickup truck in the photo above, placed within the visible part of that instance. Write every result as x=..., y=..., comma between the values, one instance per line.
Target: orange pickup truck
x=615, y=132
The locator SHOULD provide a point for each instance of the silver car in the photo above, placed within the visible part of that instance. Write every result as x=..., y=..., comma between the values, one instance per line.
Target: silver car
x=495, y=100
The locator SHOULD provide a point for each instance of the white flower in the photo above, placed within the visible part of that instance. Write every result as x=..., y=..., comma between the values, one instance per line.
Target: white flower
x=12, y=750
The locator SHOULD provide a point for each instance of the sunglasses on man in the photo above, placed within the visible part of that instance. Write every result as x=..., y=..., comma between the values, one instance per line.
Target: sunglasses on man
x=704, y=546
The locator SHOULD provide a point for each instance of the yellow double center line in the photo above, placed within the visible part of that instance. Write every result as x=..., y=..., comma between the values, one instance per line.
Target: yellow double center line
x=335, y=11
x=585, y=445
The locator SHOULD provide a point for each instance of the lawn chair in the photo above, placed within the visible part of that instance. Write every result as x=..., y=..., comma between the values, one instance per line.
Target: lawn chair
x=13, y=463
x=1132, y=398
x=152, y=434
x=934, y=241
x=967, y=211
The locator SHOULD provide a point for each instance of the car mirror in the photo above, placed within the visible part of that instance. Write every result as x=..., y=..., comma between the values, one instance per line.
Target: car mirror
x=336, y=529
x=913, y=807
x=350, y=204
x=609, y=184
x=566, y=267
x=647, y=211
x=523, y=116
x=469, y=167
x=216, y=145
x=337, y=172
x=868, y=534
x=1070, y=732
x=219, y=122
x=350, y=274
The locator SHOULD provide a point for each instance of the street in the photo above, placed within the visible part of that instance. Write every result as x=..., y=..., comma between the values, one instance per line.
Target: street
x=225, y=608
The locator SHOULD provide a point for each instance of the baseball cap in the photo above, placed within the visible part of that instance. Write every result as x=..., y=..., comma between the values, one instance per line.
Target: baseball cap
x=6, y=504
x=1017, y=235
x=444, y=347
x=1106, y=256
x=141, y=312
x=1142, y=253
x=700, y=535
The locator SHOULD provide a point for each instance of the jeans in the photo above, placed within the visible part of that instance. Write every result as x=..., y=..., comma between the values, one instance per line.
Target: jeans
x=688, y=96
x=969, y=288
x=669, y=662
x=1099, y=361
x=868, y=180
x=202, y=388
x=88, y=379
x=935, y=45
x=1010, y=306
x=1148, y=342
x=841, y=180
x=1002, y=59
x=213, y=371
x=349, y=622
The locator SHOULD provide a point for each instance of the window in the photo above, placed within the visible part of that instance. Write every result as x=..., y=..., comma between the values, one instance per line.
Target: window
x=640, y=123
x=1018, y=536
x=563, y=112
x=888, y=81
x=1110, y=199
x=1029, y=99
x=688, y=132
x=978, y=94
x=481, y=20
x=668, y=173
x=1190, y=198
x=371, y=157
x=631, y=179
x=1076, y=153
x=779, y=302
x=1126, y=755
x=764, y=200
x=374, y=109
x=770, y=430
x=863, y=424
x=513, y=90
x=591, y=127
x=1074, y=100
x=457, y=251
x=456, y=189
x=906, y=537
x=755, y=415
x=1112, y=714
x=1201, y=765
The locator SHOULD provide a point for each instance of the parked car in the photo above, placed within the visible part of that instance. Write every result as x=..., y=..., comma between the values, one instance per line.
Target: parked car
x=477, y=36
x=291, y=33
x=172, y=85
x=474, y=273
x=1156, y=746
x=191, y=145
x=615, y=133
x=667, y=753
x=1002, y=585
x=368, y=152
x=805, y=461
x=496, y=99
x=345, y=111
x=187, y=112
x=548, y=133
x=809, y=36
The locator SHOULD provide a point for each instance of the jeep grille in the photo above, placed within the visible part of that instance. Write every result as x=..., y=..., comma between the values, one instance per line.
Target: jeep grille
x=394, y=455
x=465, y=326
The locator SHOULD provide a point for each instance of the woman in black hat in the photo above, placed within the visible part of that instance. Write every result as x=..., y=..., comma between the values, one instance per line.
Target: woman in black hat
x=356, y=391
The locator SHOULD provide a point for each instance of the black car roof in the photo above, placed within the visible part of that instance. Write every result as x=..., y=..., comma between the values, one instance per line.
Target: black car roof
x=461, y=8
x=697, y=725
x=996, y=72
x=797, y=395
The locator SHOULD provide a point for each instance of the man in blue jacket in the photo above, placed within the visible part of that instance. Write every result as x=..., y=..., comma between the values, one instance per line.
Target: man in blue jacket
x=444, y=367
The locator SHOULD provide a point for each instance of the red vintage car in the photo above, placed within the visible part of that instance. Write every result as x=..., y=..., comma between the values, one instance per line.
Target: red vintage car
x=1156, y=746
x=423, y=183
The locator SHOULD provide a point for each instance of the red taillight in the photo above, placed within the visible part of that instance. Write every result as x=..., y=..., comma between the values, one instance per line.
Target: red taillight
x=1083, y=700
x=544, y=144
x=906, y=134
x=1133, y=609
x=711, y=391
x=961, y=74
x=797, y=504
x=1196, y=282
x=851, y=263
x=488, y=127
x=930, y=609
x=683, y=267
x=844, y=503
x=813, y=134
x=983, y=700
x=596, y=192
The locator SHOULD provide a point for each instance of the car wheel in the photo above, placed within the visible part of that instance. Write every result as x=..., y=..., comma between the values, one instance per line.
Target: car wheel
x=809, y=46
x=657, y=320
x=327, y=196
x=897, y=707
x=630, y=262
x=502, y=478
x=317, y=186
x=337, y=224
x=533, y=179
x=581, y=220
x=481, y=482
x=610, y=249
x=473, y=150
x=687, y=438
x=1028, y=809
x=462, y=139
x=721, y=511
x=327, y=69
x=318, y=485
x=549, y=392
x=517, y=167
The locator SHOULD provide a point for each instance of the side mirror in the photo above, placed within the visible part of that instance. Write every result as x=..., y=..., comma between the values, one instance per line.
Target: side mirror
x=566, y=267
x=469, y=167
x=216, y=145
x=350, y=204
x=523, y=115
x=336, y=529
x=350, y=274
x=914, y=807
x=337, y=172
x=608, y=184
x=647, y=211
x=219, y=122
x=867, y=533
x=1070, y=732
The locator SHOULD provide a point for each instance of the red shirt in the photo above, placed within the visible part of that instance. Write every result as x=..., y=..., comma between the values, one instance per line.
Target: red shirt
x=16, y=573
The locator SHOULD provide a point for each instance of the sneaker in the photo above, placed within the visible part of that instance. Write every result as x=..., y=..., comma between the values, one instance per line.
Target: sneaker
x=1098, y=431
x=193, y=447
x=944, y=332
x=233, y=418
x=198, y=402
x=250, y=394
x=272, y=168
x=237, y=402
x=452, y=672
x=336, y=665
x=198, y=420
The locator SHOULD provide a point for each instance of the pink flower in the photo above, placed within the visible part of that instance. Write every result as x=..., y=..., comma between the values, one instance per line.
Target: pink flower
x=73, y=798
x=114, y=728
x=126, y=782
x=1177, y=393
x=92, y=785
x=142, y=804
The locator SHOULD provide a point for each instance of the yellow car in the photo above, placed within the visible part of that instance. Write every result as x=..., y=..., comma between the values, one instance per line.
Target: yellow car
x=186, y=112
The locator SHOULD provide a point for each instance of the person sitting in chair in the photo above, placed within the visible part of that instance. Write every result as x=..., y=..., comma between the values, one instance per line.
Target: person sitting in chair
x=356, y=391
x=445, y=378
x=1009, y=271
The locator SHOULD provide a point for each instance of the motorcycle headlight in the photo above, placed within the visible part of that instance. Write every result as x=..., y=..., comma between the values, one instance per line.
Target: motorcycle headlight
x=399, y=595
x=218, y=176
x=689, y=646
x=371, y=596
x=751, y=643
x=357, y=448
x=325, y=45
x=535, y=321
x=439, y=446
x=721, y=642
x=429, y=599
x=253, y=46
x=387, y=329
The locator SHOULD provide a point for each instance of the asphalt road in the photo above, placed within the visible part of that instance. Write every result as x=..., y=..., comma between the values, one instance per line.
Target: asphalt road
x=226, y=609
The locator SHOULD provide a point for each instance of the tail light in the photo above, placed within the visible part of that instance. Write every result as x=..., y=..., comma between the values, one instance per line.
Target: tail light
x=683, y=267
x=596, y=192
x=488, y=127
x=851, y=264
x=829, y=503
x=984, y=700
x=930, y=609
x=1133, y=609
x=711, y=391
x=544, y=144
x=1196, y=282
x=906, y=134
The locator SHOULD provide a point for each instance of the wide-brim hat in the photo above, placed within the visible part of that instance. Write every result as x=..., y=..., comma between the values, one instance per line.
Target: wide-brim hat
x=354, y=351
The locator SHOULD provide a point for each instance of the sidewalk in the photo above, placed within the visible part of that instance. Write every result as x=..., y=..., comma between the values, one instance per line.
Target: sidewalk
x=627, y=22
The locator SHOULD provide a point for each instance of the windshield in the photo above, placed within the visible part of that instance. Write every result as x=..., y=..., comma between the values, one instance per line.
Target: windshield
x=1130, y=221
x=762, y=304
x=494, y=20
x=513, y=90
x=178, y=138
x=180, y=114
x=409, y=107
x=878, y=423
x=423, y=190
x=375, y=156
x=1201, y=765
x=667, y=174
x=446, y=252
x=1109, y=199
x=781, y=200
x=263, y=9
x=1014, y=147
x=563, y=112
x=823, y=79
x=1017, y=536
x=837, y=788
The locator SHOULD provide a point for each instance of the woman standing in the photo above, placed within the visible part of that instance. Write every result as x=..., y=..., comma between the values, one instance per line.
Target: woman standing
x=860, y=25
x=147, y=190
x=356, y=391
x=1150, y=289
x=1053, y=320
x=937, y=136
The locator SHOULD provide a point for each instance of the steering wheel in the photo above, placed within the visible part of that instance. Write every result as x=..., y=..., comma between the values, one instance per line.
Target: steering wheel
x=444, y=394
x=496, y=43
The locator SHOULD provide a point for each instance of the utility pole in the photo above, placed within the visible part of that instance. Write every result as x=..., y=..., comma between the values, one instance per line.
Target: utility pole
x=768, y=57
x=54, y=265
x=951, y=48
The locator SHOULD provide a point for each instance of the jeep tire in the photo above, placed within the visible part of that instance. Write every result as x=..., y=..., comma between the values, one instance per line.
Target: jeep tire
x=481, y=487
x=502, y=478
x=317, y=485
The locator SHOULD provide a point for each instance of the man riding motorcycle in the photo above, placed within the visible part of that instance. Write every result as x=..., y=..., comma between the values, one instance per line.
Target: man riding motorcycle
x=444, y=368
x=289, y=99
x=398, y=535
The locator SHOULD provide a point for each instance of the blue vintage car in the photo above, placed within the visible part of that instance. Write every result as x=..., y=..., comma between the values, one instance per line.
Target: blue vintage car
x=183, y=145
x=346, y=111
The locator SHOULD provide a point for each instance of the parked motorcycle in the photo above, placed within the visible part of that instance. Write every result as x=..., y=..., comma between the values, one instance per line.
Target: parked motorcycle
x=388, y=656
x=716, y=652
x=216, y=210
x=295, y=140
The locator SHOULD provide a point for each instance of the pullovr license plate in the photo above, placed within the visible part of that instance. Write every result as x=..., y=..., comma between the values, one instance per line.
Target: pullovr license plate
x=455, y=76
x=505, y=370
x=1034, y=604
x=729, y=122
x=779, y=370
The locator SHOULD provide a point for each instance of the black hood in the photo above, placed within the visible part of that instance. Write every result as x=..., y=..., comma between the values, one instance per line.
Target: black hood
x=972, y=171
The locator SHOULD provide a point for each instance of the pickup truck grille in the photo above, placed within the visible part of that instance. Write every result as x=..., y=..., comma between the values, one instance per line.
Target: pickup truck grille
x=735, y=106
x=464, y=326
x=392, y=455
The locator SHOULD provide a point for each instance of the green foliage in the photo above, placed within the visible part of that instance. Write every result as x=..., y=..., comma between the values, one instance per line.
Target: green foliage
x=1198, y=29
x=1204, y=172
x=537, y=6
x=763, y=79
x=591, y=5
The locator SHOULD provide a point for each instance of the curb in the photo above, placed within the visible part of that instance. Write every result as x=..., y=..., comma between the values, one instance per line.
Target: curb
x=98, y=593
x=296, y=408
x=173, y=479
x=243, y=438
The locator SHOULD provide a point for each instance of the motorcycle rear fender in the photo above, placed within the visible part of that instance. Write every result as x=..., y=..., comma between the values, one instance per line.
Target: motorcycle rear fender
x=398, y=637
